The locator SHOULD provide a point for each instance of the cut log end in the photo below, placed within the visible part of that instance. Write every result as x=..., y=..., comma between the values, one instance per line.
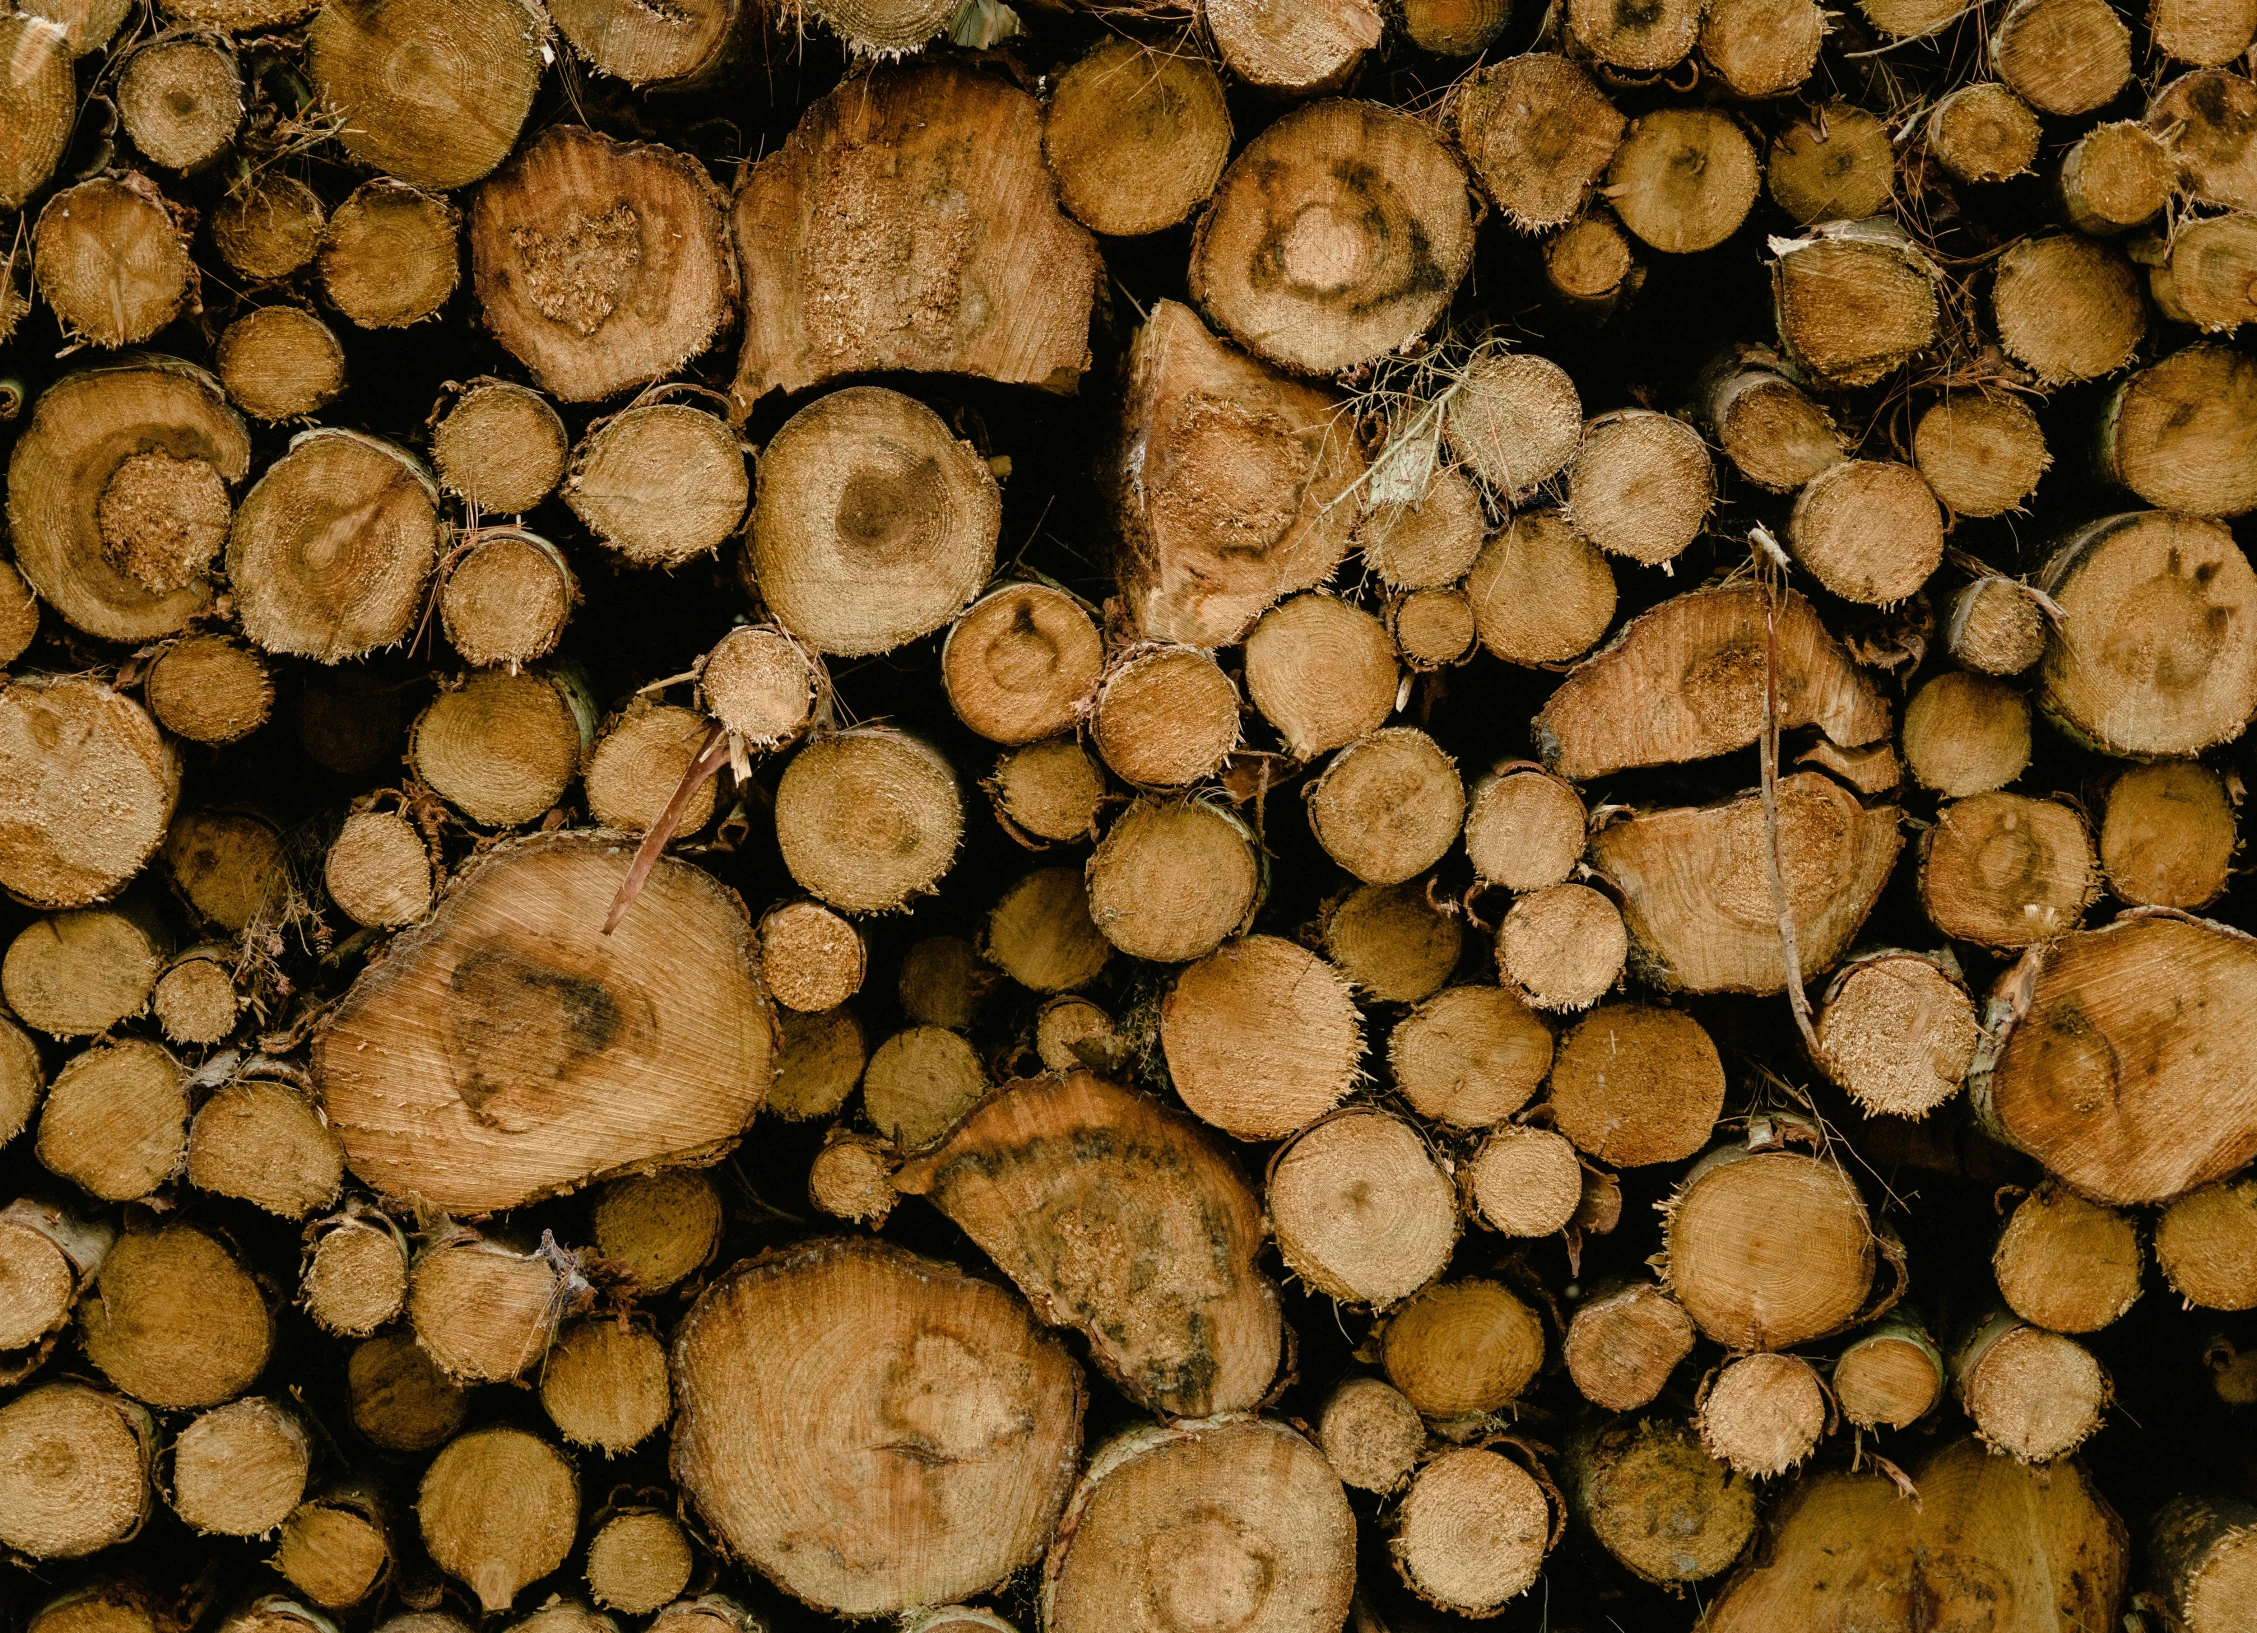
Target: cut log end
x=1362, y=1211
x=1899, y=1033
x=2066, y=1264
x=1764, y=1414
x=1463, y=1347
x=1769, y=1249
x=498, y=1509
x=1472, y=1531
x=1371, y=1435
x=1623, y=1345
x=1470, y=1056
x=1890, y=1378
x=2034, y=1395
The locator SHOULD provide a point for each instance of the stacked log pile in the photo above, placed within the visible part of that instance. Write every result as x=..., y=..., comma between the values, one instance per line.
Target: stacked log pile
x=1255, y=818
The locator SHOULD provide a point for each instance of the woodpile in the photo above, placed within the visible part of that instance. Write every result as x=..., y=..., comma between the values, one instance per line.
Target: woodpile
x=1271, y=816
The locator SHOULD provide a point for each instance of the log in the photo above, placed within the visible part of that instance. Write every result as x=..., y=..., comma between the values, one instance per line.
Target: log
x=2148, y=991
x=660, y=484
x=919, y=1082
x=1989, y=1538
x=821, y=1060
x=1542, y=593
x=2204, y=275
x=238, y=1470
x=1370, y=1434
x=1640, y=40
x=481, y=1309
x=2167, y=835
x=378, y=870
x=638, y=1560
x=1261, y=1037
x=685, y=46
x=1171, y=879
x=2175, y=432
x=118, y=495
x=2068, y=308
x=1472, y=1531
x=356, y=1273
x=1684, y=178
x=430, y=91
x=115, y=1121
x=1462, y=1348
x=1623, y=1343
x=497, y=1508
x=1768, y=1248
x=2005, y=870
x=1429, y=542
x=74, y=1470
x=1362, y=1211
x=500, y=446
x=659, y=1228
x=504, y=600
x=262, y=1141
x=1019, y=662
x=911, y=819
x=872, y=524
x=1589, y=268
x=335, y=1549
x=76, y=974
x=2062, y=56
x=1657, y=1502
x=1524, y=1181
x=1337, y=235
x=762, y=685
x=1762, y=1415
x=1293, y=50
x=1854, y=301
x=1137, y=138
x=1762, y=48
x=851, y=1178
x=811, y=958
x=1890, y=1376
x=1562, y=947
x=1040, y=934
x=1697, y=900
x=110, y=258
x=1981, y=453
x=48, y=1254
x=2067, y=1264
x=1839, y=164
x=1982, y=133
x=400, y=1400
x=1228, y=1503
x=1393, y=943
x=604, y=1384
x=502, y=748
x=1997, y=626
x=1869, y=530
x=2202, y=1561
x=2115, y=177
x=2149, y=655
x=280, y=363
x=858, y=255
x=2206, y=1244
x=1966, y=734
x=1898, y=1031
x=1388, y=806
x=1514, y=419
x=883, y=1352
x=390, y=256
x=175, y=1320
x=2204, y=32
x=2033, y=1395
x=639, y=761
x=458, y=1068
x=38, y=104
x=1641, y=485
x=1538, y=132
x=1322, y=671
x=1635, y=1084
x=1046, y=1159
x=2203, y=118
x=1773, y=433
x=1165, y=717
x=268, y=226
x=1525, y=829
x=1470, y=1056
x=180, y=98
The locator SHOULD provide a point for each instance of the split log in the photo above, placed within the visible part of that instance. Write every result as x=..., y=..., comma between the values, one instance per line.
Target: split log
x=175, y=1320
x=2115, y=177
x=460, y=1067
x=1762, y=1415
x=1200, y=420
x=1684, y=178
x=2204, y=1562
x=762, y=684
x=38, y=104
x=1462, y=1348
x=239, y=1469
x=1227, y=1504
x=431, y=91
x=2137, y=1005
x=111, y=261
x=2179, y=432
x=1019, y=662
x=1839, y=164
x=1659, y=1503
x=868, y=244
x=604, y=1383
x=1997, y=625
x=1542, y=593
x=1137, y=138
x=872, y=523
x=1051, y=1161
x=1370, y=1434
x=1392, y=942
x=1635, y=1084
x=1470, y=1056
x=883, y=1355
x=1966, y=734
x=1981, y=453
x=1869, y=530
x=2206, y=1244
x=1472, y=1531
x=1623, y=1343
x=498, y=1508
x=602, y=266
x=1854, y=299
x=1890, y=1376
x=2066, y=1264
x=1538, y=132
x=2062, y=56
x=356, y=1273
x=1261, y=1037
x=1687, y=681
x=1171, y=879
x=115, y=1121
x=1321, y=670
x=1362, y=1211
x=2004, y=870
x=1989, y=1538
x=909, y=819
x=2067, y=307
x=269, y=226
x=1293, y=50
x=2153, y=653
x=74, y=1470
x=1898, y=1031
x=2033, y=1394
x=1388, y=806
x=1768, y=1248
x=1337, y=235
x=1697, y=897
x=118, y=495
x=1772, y=432
x=2167, y=837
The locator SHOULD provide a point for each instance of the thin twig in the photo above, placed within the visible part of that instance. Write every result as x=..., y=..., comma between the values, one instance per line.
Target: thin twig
x=710, y=760
x=1768, y=746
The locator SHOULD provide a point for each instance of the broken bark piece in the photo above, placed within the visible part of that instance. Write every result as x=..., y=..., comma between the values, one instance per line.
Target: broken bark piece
x=1989, y=1538
x=601, y=265
x=1898, y=1031
x=1634, y=1084
x=1362, y=1211
x=118, y=495
x=1687, y=681
x=2004, y=870
x=459, y=1068
x=1769, y=1249
x=1696, y=893
x=1624, y=1342
x=1122, y=1218
x=434, y=92
x=1228, y=483
x=1538, y=131
x=910, y=223
x=2140, y=1006
x=914, y=1417
x=1240, y=1501
x=1337, y=235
